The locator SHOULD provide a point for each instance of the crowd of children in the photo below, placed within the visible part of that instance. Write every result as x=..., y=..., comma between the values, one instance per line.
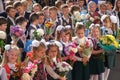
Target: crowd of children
x=58, y=27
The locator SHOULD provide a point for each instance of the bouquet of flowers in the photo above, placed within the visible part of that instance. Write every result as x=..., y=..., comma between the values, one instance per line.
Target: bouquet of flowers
x=16, y=33
x=38, y=34
x=70, y=51
x=17, y=73
x=2, y=38
x=49, y=27
x=29, y=71
x=63, y=68
x=118, y=34
x=108, y=42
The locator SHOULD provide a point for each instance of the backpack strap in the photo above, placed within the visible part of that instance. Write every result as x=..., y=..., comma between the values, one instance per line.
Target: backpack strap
x=7, y=68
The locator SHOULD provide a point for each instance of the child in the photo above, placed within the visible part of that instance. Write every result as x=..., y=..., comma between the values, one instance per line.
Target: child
x=102, y=10
x=93, y=13
x=36, y=7
x=21, y=10
x=80, y=70
x=54, y=19
x=54, y=57
x=109, y=29
x=46, y=12
x=10, y=58
x=66, y=19
x=64, y=36
x=3, y=24
x=82, y=5
x=109, y=8
x=33, y=24
x=10, y=17
x=38, y=53
x=96, y=62
x=41, y=20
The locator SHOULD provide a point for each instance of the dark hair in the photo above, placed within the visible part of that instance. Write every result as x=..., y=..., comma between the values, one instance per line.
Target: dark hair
x=40, y=13
x=17, y=4
x=74, y=8
x=8, y=8
x=3, y=20
x=20, y=20
x=33, y=17
x=79, y=27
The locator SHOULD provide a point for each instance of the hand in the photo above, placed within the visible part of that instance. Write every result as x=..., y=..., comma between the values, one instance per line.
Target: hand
x=85, y=60
x=62, y=78
x=80, y=50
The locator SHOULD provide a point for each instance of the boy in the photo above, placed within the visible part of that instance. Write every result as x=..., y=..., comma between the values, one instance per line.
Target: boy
x=34, y=20
x=66, y=19
x=21, y=9
x=3, y=24
x=10, y=17
x=54, y=18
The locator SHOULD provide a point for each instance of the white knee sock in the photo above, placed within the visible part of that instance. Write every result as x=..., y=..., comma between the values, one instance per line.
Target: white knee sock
x=107, y=71
x=101, y=76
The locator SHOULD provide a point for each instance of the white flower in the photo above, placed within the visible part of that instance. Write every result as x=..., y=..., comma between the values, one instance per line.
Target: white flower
x=2, y=35
x=7, y=47
x=26, y=76
x=68, y=26
x=83, y=16
x=33, y=71
x=35, y=43
x=77, y=15
x=75, y=50
x=40, y=32
x=92, y=19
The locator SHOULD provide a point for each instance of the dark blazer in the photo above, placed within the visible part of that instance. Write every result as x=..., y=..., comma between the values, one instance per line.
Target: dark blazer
x=9, y=23
x=26, y=15
x=3, y=14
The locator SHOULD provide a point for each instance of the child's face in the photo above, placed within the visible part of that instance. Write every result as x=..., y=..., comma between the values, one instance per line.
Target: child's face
x=41, y=53
x=95, y=32
x=118, y=4
x=52, y=13
x=81, y=3
x=3, y=27
x=103, y=9
x=70, y=4
x=46, y=13
x=109, y=6
x=36, y=9
x=65, y=37
x=80, y=33
x=12, y=13
x=20, y=9
x=65, y=11
x=41, y=19
x=23, y=25
x=106, y=24
x=52, y=52
x=93, y=8
x=12, y=56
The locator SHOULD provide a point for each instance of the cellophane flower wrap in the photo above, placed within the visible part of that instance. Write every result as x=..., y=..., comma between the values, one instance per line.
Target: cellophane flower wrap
x=38, y=34
x=108, y=42
x=2, y=42
x=86, y=46
x=63, y=68
x=16, y=33
x=70, y=51
x=49, y=27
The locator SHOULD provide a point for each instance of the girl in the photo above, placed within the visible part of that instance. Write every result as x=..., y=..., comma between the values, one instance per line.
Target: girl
x=117, y=11
x=38, y=54
x=80, y=70
x=64, y=35
x=109, y=28
x=54, y=57
x=9, y=61
x=96, y=62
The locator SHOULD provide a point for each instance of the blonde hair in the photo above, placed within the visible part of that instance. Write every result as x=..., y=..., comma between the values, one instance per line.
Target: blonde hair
x=116, y=8
x=108, y=20
x=5, y=56
x=66, y=31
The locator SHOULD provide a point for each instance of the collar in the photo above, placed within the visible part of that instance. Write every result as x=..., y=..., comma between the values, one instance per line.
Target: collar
x=34, y=26
x=13, y=21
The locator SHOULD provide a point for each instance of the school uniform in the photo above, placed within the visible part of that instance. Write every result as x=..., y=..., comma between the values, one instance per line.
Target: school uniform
x=25, y=15
x=96, y=62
